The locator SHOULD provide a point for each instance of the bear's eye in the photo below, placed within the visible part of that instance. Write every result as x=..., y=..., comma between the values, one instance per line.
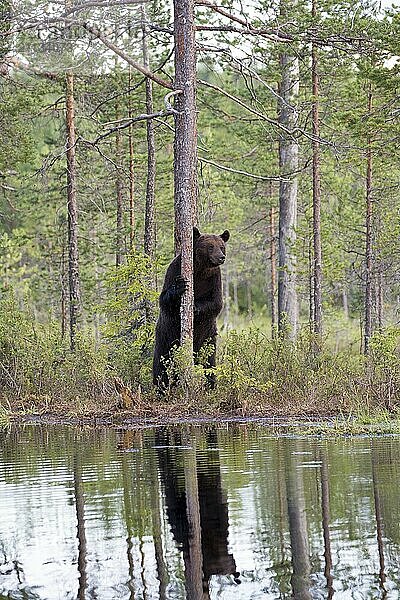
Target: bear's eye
x=210, y=247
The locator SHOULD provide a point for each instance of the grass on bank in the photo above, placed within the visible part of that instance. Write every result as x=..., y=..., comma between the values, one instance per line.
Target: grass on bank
x=255, y=374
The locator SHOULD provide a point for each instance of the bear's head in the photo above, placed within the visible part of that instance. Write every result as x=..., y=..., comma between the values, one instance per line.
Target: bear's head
x=209, y=250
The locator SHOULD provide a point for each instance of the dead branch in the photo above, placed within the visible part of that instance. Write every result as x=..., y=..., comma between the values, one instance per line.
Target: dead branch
x=240, y=172
x=109, y=44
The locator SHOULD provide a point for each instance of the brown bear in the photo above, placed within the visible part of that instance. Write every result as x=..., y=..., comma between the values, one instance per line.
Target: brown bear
x=208, y=255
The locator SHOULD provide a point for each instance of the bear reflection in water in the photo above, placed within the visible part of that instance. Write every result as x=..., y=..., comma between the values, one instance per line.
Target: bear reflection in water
x=212, y=505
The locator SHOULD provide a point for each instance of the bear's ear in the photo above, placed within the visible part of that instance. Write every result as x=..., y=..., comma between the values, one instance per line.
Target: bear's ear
x=225, y=236
x=196, y=234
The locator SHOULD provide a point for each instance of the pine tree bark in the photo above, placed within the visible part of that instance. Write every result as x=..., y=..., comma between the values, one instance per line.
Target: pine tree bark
x=289, y=163
x=317, y=263
x=185, y=154
x=368, y=240
x=73, y=255
x=149, y=227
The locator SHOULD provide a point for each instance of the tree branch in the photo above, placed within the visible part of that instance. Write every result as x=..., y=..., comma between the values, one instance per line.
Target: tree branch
x=109, y=44
x=240, y=172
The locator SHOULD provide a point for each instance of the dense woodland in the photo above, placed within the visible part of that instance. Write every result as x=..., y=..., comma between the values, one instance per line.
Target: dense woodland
x=296, y=153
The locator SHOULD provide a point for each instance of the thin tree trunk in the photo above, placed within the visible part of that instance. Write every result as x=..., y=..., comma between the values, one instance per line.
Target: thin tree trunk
x=131, y=172
x=185, y=155
x=379, y=524
x=194, y=558
x=81, y=533
x=289, y=163
x=63, y=293
x=311, y=282
x=298, y=529
x=249, y=300
x=149, y=227
x=368, y=240
x=317, y=271
x=119, y=187
x=345, y=301
x=379, y=295
x=227, y=300
x=272, y=252
x=73, y=259
x=325, y=504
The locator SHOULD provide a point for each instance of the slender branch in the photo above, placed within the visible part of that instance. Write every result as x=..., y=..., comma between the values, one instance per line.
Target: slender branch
x=239, y=172
x=100, y=4
x=170, y=110
x=109, y=44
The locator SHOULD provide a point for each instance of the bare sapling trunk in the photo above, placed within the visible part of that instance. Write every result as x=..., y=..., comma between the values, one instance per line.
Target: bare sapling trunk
x=119, y=187
x=131, y=171
x=289, y=163
x=311, y=281
x=272, y=253
x=63, y=291
x=149, y=227
x=317, y=265
x=368, y=240
x=185, y=155
x=73, y=256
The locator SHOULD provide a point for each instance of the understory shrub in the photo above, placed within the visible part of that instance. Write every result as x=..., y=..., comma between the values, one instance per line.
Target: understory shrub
x=35, y=362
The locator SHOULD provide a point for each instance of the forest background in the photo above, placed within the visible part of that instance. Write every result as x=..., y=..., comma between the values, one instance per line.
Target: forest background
x=87, y=201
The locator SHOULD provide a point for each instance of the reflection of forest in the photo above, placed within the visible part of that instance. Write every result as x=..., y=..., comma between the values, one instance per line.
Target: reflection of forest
x=144, y=515
x=183, y=478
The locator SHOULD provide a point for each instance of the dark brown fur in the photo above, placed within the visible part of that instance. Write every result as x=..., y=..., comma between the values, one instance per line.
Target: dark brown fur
x=208, y=255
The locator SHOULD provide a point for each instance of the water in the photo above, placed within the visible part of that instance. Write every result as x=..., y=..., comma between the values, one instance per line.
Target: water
x=228, y=513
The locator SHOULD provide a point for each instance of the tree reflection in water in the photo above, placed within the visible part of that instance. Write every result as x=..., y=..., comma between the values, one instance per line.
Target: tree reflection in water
x=144, y=515
x=197, y=508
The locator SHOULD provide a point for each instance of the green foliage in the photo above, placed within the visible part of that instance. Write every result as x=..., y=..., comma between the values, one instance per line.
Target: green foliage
x=37, y=367
x=384, y=366
x=129, y=310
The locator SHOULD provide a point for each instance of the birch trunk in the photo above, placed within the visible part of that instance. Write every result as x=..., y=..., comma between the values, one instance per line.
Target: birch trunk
x=185, y=154
x=73, y=256
x=289, y=163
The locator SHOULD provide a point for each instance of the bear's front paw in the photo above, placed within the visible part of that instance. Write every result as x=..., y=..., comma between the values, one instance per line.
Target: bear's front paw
x=180, y=285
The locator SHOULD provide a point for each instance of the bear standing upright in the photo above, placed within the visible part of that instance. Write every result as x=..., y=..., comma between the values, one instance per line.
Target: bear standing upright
x=208, y=255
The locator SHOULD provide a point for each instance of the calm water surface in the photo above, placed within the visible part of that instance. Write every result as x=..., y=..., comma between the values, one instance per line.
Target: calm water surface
x=216, y=512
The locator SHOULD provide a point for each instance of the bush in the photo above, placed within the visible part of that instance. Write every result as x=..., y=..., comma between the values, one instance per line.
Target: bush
x=36, y=364
x=129, y=311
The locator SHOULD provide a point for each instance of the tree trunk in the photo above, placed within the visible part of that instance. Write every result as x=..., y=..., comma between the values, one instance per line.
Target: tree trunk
x=131, y=172
x=119, y=187
x=227, y=300
x=272, y=252
x=311, y=281
x=63, y=292
x=149, y=227
x=80, y=528
x=298, y=528
x=185, y=155
x=194, y=557
x=368, y=240
x=73, y=259
x=289, y=163
x=317, y=271
x=325, y=506
x=378, y=520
